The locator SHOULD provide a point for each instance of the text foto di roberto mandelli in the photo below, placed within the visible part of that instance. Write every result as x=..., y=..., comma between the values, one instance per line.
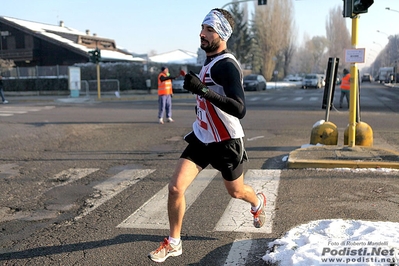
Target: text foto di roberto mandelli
x=357, y=243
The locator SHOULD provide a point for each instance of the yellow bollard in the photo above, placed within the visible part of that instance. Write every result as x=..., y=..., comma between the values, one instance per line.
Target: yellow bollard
x=326, y=133
x=364, y=135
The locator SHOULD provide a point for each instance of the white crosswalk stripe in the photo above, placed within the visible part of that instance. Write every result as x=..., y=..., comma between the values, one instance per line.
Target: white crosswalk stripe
x=153, y=213
x=237, y=216
x=11, y=110
x=282, y=99
x=68, y=176
x=112, y=186
x=239, y=252
x=385, y=99
x=267, y=98
x=253, y=99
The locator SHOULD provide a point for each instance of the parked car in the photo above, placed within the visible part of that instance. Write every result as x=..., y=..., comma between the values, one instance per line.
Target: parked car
x=254, y=82
x=313, y=81
x=177, y=84
x=366, y=77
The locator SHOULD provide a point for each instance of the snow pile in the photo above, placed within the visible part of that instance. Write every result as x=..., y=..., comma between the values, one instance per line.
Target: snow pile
x=304, y=245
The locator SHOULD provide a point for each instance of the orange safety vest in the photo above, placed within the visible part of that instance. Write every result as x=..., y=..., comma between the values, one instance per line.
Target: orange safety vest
x=345, y=83
x=164, y=87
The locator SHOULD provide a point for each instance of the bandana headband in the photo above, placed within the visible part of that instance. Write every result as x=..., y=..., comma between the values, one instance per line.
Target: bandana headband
x=219, y=23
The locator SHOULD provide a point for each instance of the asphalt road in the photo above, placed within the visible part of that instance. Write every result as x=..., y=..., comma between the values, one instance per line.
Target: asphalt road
x=71, y=174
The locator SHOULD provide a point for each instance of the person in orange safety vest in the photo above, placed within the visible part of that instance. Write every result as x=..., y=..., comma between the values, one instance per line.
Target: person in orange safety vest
x=345, y=88
x=165, y=95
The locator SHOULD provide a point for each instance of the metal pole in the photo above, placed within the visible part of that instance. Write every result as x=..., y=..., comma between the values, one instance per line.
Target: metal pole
x=331, y=77
x=358, y=99
x=98, y=81
x=353, y=88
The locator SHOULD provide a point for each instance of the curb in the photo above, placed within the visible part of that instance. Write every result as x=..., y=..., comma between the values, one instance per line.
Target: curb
x=343, y=157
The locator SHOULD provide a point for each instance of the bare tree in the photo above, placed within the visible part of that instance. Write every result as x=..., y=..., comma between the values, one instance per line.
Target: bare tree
x=338, y=35
x=289, y=50
x=318, y=48
x=272, y=30
x=311, y=56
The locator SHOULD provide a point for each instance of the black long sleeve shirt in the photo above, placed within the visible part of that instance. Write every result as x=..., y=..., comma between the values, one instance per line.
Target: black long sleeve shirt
x=227, y=74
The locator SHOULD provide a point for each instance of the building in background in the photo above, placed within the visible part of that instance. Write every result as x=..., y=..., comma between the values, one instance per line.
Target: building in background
x=29, y=43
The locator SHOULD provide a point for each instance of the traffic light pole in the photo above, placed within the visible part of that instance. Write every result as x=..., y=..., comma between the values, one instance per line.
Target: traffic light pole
x=98, y=81
x=353, y=87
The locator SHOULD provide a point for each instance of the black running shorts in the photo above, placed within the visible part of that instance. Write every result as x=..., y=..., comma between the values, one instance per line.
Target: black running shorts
x=226, y=156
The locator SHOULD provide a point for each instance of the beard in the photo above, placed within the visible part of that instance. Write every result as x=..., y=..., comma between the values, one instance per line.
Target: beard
x=210, y=47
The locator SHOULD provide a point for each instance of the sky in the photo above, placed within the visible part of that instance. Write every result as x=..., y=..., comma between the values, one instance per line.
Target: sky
x=163, y=26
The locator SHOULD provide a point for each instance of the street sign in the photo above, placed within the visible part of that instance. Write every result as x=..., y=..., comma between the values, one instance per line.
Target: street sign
x=355, y=55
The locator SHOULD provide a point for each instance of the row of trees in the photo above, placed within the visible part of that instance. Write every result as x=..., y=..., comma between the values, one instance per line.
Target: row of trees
x=267, y=43
x=388, y=56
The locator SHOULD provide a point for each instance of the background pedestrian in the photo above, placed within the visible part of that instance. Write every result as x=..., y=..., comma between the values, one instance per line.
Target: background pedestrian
x=2, y=91
x=345, y=88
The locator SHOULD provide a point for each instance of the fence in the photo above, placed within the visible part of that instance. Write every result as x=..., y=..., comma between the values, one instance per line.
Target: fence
x=43, y=72
x=107, y=86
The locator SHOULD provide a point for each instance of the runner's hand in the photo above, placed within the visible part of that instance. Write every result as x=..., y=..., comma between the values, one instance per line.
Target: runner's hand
x=193, y=83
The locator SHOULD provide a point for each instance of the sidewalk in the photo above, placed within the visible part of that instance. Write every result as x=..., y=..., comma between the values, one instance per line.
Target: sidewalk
x=332, y=156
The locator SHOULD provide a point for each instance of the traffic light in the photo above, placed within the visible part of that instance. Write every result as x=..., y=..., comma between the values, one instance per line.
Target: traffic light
x=262, y=2
x=95, y=56
x=354, y=7
x=91, y=56
x=361, y=6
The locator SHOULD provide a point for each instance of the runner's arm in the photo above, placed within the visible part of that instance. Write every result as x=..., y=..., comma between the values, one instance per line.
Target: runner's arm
x=227, y=74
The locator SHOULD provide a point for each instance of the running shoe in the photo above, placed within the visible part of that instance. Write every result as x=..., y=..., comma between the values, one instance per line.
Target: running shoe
x=260, y=215
x=165, y=251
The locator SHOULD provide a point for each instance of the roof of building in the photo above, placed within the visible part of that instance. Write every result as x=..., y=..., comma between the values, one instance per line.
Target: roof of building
x=73, y=39
x=175, y=57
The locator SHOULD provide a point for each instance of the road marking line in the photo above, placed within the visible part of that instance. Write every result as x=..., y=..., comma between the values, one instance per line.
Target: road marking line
x=112, y=186
x=239, y=251
x=298, y=99
x=153, y=213
x=385, y=99
x=9, y=169
x=11, y=110
x=254, y=99
x=255, y=138
x=237, y=216
x=267, y=98
x=314, y=99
